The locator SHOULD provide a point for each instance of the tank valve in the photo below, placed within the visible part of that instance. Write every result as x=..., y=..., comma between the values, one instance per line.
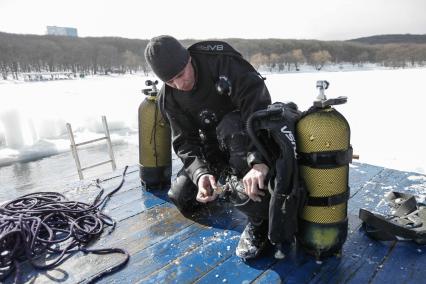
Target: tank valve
x=322, y=85
x=153, y=91
x=321, y=101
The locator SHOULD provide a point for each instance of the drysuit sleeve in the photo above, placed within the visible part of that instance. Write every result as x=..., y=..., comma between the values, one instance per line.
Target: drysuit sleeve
x=186, y=140
x=250, y=94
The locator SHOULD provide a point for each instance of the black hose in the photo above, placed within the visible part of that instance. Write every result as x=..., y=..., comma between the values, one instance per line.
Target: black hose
x=36, y=226
x=251, y=132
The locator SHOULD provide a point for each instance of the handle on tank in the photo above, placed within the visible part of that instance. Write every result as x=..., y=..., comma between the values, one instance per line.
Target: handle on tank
x=250, y=129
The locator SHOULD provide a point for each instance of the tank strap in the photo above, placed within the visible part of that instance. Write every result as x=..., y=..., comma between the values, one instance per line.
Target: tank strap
x=329, y=200
x=331, y=159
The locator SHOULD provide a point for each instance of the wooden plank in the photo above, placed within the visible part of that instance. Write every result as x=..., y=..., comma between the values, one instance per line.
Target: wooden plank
x=171, y=251
x=405, y=264
x=360, y=174
x=194, y=263
x=163, y=222
x=373, y=191
x=122, y=209
x=169, y=247
x=235, y=270
x=85, y=190
x=139, y=204
x=131, y=234
x=140, y=241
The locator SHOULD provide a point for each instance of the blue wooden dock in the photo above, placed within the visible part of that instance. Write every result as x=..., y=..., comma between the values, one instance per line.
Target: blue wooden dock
x=168, y=247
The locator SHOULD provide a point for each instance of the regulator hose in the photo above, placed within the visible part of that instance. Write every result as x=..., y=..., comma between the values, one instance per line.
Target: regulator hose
x=234, y=183
x=40, y=225
x=252, y=134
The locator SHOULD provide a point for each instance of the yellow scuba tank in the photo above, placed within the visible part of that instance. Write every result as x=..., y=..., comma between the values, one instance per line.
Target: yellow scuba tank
x=324, y=150
x=154, y=142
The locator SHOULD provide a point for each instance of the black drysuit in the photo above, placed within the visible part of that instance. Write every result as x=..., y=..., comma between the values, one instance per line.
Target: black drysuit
x=200, y=110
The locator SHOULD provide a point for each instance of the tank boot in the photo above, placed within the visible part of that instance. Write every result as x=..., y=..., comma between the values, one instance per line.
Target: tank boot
x=253, y=239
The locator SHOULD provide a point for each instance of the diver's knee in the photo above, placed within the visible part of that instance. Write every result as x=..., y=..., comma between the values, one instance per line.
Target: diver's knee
x=183, y=193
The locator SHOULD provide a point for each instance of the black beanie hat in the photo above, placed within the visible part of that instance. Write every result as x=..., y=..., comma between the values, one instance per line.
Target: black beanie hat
x=166, y=56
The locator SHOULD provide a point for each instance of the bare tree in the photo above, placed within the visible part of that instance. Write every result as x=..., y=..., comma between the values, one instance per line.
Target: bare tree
x=320, y=58
x=258, y=60
x=298, y=58
x=273, y=61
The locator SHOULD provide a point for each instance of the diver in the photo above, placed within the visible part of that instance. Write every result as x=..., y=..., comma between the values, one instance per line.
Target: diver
x=209, y=90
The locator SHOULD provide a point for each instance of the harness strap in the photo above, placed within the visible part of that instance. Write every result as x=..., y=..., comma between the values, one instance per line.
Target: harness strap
x=331, y=159
x=329, y=200
x=214, y=47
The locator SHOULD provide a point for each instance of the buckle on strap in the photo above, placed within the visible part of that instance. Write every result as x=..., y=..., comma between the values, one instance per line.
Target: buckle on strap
x=329, y=159
x=329, y=200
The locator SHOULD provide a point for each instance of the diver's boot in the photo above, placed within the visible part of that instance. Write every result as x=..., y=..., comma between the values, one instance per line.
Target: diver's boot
x=253, y=239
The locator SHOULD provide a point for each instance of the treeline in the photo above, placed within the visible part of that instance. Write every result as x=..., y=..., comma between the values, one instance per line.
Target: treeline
x=392, y=38
x=279, y=54
x=32, y=53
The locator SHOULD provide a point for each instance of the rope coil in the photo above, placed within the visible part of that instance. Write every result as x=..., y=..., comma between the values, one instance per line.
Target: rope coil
x=44, y=225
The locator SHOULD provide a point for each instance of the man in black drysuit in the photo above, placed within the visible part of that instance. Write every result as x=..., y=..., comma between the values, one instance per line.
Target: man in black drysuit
x=209, y=88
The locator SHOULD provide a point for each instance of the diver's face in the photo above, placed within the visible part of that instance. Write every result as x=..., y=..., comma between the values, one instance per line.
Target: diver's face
x=185, y=80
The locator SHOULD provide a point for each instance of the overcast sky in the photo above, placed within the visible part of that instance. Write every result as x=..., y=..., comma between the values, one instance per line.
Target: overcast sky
x=298, y=19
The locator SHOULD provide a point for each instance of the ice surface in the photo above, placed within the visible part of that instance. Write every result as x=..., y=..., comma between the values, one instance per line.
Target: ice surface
x=385, y=110
x=34, y=114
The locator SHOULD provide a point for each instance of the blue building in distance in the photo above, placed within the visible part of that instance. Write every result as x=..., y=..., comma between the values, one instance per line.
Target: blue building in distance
x=61, y=31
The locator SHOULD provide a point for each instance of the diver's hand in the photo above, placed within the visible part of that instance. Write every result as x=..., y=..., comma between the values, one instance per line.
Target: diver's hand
x=254, y=181
x=206, y=188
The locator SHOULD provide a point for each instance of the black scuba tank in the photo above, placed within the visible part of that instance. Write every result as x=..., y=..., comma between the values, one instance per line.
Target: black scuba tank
x=154, y=142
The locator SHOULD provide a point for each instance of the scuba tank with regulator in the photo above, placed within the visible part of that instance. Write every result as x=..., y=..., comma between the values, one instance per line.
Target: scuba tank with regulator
x=154, y=142
x=324, y=150
x=309, y=155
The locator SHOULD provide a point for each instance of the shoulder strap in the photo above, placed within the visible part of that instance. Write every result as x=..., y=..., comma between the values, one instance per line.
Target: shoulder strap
x=217, y=47
x=214, y=47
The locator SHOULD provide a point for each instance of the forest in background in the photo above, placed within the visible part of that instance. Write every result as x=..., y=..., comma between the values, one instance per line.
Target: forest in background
x=104, y=55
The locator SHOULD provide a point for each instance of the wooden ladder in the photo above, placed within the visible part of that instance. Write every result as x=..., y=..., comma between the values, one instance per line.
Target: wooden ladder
x=75, y=152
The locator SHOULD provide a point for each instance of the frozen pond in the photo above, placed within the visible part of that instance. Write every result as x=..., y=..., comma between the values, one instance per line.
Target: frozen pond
x=385, y=110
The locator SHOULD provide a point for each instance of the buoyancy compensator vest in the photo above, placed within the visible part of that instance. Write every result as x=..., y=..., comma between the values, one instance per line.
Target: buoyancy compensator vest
x=272, y=131
x=323, y=144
